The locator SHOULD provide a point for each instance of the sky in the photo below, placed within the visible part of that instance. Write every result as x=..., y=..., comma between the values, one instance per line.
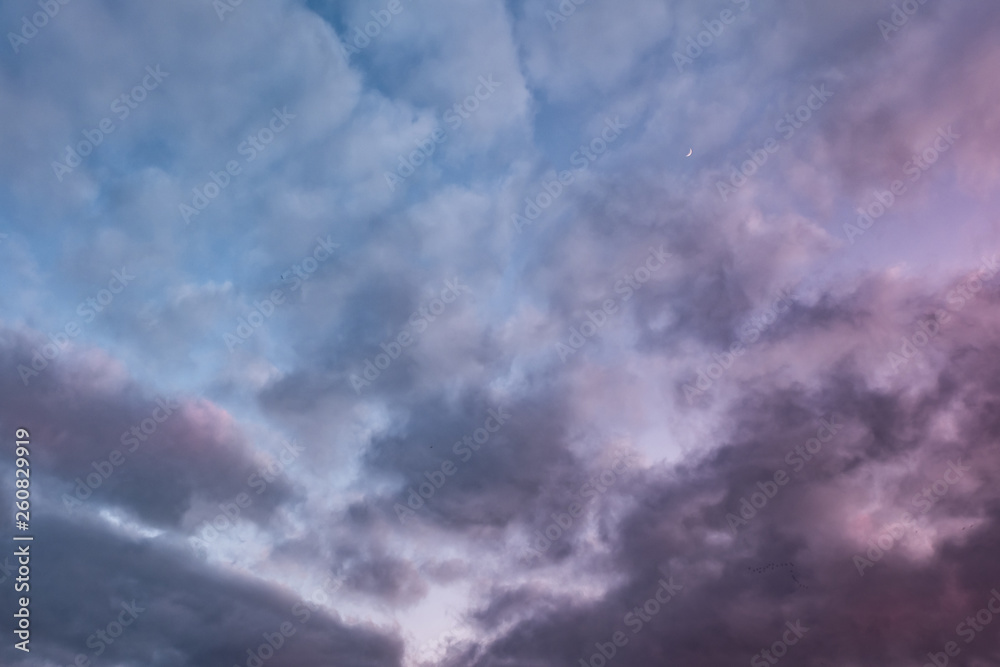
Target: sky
x=411, y=333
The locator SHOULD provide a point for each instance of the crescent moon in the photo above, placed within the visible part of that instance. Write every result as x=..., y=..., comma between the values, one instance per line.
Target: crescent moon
x=690, y=153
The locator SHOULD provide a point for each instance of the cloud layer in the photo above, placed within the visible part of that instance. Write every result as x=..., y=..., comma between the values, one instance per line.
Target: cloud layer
x=482, y=334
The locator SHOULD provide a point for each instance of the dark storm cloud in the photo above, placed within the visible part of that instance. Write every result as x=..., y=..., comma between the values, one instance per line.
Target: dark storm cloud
x=383, y=577
x=189, y=613
x=171, y=451
x=794, y=558
x=492, y=481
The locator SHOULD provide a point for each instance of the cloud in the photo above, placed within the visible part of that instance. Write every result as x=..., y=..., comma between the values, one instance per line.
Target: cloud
x=884, y=339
